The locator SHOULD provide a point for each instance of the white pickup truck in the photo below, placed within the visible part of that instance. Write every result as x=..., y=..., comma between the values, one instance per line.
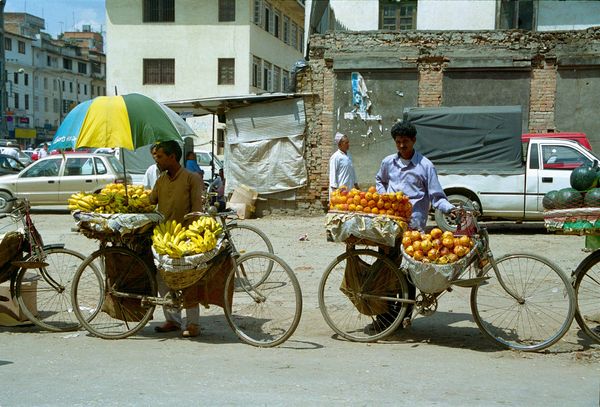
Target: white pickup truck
x=517, y=195
x=480, y=156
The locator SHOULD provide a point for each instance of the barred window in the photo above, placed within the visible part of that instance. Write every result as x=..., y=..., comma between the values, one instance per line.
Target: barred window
x=286, y=29
x=226, y=71
x=257, y=18
x=277, y=23
x=157, y=11
x=158, y=72
x=256, y=72
x=21, y=47
x=398, y=15
x=267, y=78
x=82, y=67
x=294, y=36
x=226, y=10
x=268, y=18
x=276, y=79
x=8, y=44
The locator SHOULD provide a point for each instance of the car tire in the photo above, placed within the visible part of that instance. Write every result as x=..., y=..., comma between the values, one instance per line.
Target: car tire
x=444, y=221
x=5, y=206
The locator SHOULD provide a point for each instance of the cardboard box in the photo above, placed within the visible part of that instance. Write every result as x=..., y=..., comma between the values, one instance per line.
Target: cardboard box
x=243, y=210
x=10, y=312
x=244, y=195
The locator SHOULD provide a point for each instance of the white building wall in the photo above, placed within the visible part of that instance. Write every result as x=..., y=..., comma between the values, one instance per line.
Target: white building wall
x=456, y=14
x=196, y=40
x=567, y=15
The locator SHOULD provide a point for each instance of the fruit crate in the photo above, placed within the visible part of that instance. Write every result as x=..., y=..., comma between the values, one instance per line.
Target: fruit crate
x=363, y=228
x=574, y=221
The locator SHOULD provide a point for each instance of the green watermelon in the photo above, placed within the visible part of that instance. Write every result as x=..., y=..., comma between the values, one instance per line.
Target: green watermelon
x=549, y=201
x=585, y=177
x=592, y=198
x=569, y=198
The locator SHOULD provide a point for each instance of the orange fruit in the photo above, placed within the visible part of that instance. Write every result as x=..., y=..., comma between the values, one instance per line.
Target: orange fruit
x=436, y=233
x=406, y=233
x=415, y=235
x=356, y=200
x=465, y=241
x=359, y=208
x=432, y=254
x=380, y=204
x=448, y=242
x=352, y=207
x=390, y=212
x=372, y=203
x=366, y=209
x=410, y=250
x=372, y=189
x=368, y=196
x=364, y=202
x=375, y=210
x=376, y=196
x=416, y=244
x=418, y=255
x=447, y=234
x=406, y=241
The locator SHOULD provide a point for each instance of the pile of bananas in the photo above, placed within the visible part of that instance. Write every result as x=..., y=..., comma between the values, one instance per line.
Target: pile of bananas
x=112, y=199
x=176, y=241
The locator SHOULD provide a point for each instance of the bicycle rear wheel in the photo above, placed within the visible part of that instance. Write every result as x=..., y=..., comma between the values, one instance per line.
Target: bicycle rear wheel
x=587, y=294
x=109, y=289
x=542, y=312
x=359, y=293
x=264, y=314
x=44, y=294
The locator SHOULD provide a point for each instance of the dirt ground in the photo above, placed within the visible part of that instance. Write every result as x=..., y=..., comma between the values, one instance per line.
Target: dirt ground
x=441, y=360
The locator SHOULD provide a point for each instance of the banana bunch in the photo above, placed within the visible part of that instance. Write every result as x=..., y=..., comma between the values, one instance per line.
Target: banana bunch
x=205, y=223
x=176, y=241
x=112, y=199
x=82, y=201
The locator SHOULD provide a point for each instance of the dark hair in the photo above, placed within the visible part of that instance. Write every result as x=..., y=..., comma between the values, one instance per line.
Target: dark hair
x=187, y=156
x=405, y=129
x=170, y=147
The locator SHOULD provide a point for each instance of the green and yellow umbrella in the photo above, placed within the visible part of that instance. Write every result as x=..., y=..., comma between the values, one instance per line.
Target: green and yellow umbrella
x=126, y=121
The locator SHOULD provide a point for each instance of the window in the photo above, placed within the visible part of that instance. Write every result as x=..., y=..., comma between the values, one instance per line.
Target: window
x=16, y=78
x=256, y=72
x=268, y=17
x=286, y=29
x=82, y=67
x=36, y=103
x=48, y=61
x=277, y=23
x=45, y=83
x=276, y=79
x=8, y=44
x=517, y=14
x=67, y=64
x=226, y=71
x=257, y=12
x=158, y=72
x=101, y=167
x=55, y=105
x=294, y=36
x=226, y=10
x=21, y=47
x=85, y=89
x=158, y=11
x=78, y=89
x=285, y=80
x=395, y=15
x=43, y=168
x=267, y=84
x=16, y=100
x=96, y=67
x=46, y=104
x=562, y=158
x=71, y=87
x=301, y=40
x=26, y=79
x=26, y=102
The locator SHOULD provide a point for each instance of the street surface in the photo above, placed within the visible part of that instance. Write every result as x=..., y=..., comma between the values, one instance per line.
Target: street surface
x=441, y=360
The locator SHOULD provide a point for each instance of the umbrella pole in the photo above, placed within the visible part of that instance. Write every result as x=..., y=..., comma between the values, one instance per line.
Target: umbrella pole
x=124, y=175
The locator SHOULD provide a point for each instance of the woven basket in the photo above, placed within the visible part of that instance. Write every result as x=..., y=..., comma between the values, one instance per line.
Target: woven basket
x=180, y=279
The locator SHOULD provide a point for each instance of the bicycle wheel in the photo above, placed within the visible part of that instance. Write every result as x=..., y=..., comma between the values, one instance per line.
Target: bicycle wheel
x=359, y=286
x=249, y=239
x=44, y=294
x=264, y=314
x=587, y=294
x=540, y=316
x=108, y=295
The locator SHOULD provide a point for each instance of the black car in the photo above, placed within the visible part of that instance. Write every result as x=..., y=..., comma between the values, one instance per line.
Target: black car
x=10, y=165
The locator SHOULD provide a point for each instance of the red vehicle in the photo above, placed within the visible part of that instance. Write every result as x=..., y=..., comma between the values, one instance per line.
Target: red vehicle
x=581, y=138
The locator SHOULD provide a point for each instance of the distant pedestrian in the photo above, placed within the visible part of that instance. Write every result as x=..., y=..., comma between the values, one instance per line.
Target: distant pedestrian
x=341, y=169
x=43, y=152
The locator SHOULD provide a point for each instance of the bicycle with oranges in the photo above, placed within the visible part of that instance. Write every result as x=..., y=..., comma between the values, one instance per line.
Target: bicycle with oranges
x=519, y=301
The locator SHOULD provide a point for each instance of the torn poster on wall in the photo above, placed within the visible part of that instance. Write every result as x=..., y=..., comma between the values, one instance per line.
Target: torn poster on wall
x=360, y=100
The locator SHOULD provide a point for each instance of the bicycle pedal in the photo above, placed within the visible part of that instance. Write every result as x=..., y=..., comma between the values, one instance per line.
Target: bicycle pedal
x=406, y=322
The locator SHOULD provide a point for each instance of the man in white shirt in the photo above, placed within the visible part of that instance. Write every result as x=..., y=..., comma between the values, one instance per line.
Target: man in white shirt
x=43, y=152
x=341, y=170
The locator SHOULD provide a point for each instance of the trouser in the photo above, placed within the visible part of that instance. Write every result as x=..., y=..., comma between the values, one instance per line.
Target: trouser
x=192, y=314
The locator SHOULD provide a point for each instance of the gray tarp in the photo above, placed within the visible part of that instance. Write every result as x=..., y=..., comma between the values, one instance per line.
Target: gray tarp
x=467, y=138
x=265, y=147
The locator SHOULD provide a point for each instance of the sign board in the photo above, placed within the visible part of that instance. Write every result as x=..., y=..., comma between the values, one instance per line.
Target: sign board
x=24, y=120
x=25, y=133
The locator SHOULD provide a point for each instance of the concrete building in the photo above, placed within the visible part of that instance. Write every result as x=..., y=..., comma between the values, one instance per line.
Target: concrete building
x=195, y=49
x=46, y=78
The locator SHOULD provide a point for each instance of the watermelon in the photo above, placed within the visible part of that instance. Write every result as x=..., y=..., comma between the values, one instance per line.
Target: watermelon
x=592, y=198
x=549, y=201
x=585, y=177
x=569, y=198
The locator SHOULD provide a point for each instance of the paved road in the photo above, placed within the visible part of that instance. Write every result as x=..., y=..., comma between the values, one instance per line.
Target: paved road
x=441, y=360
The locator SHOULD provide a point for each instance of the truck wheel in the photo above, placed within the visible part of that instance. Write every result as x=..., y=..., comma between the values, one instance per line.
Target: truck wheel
x=445, y=222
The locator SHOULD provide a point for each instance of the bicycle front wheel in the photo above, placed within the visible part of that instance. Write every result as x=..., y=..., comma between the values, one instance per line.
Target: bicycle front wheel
x=359, y=293
x=540, y=312
x=44, y=294
x=587, y=293
x=249, y=239
x=264, y=314
x=109, y=292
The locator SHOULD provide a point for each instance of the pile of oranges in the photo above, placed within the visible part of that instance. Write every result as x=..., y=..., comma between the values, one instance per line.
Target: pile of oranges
x=436, y=246
x=369, y=201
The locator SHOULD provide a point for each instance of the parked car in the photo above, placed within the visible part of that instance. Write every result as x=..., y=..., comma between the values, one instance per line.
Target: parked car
x=10, y=165
x=203, y=158
x=581, y=138
x=53, y=179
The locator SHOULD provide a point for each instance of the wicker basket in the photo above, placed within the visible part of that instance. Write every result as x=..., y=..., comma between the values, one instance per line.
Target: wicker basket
x=180, y=279
x=434, y=278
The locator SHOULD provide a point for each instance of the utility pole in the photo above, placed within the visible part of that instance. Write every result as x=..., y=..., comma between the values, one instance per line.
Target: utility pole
x=3, y=96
